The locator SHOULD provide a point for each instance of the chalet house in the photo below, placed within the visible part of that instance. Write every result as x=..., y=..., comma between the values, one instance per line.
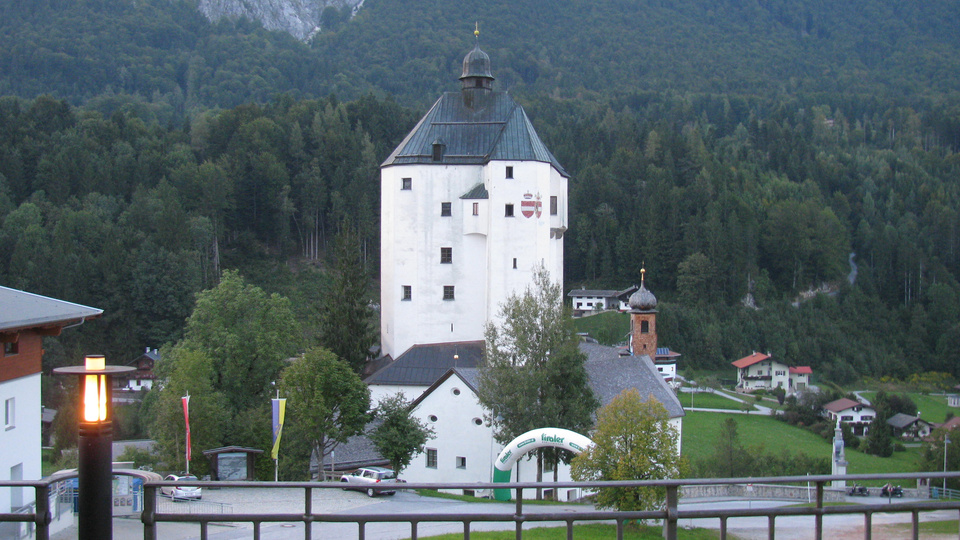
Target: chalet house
x=25, y=319
x=909, y=427
x=853, y=413
x=587, y=300
x=761, y=372
x=141, y=379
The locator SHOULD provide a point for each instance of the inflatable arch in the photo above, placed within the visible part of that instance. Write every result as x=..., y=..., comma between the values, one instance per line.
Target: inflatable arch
x=537, y=438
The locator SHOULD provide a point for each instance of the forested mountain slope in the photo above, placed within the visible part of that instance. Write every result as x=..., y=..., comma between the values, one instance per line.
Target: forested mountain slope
x=167, y=53
x=733, y=147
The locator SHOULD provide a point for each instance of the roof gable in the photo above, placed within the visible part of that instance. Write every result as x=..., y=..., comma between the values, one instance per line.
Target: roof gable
x=422, y=365
x=748, y=361
x=843, y=404
x=493, y=127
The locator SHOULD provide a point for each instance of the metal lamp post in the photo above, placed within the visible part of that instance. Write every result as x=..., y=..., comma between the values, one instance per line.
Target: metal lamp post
x=94, y=471
x=946, y=441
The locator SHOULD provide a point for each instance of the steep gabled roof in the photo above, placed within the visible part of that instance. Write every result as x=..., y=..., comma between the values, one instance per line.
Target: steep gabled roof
x=490, y=127
x=610, y=373
x=20, y=310
x=748, y=361
x=801, y=370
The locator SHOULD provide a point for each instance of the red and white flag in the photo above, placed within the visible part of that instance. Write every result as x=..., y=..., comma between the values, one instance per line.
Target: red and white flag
x=186, y=419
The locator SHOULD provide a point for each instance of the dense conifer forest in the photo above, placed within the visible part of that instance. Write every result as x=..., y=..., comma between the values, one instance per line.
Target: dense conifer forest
x=730, y=147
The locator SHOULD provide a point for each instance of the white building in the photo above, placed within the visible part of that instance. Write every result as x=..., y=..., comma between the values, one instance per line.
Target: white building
x=761, y=372
x=471, y=203
x=25, y=319
x=858, y=415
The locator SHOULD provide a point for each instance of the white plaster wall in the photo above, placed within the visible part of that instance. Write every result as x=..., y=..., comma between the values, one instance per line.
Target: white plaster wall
x=484, y=247
x=21, y=444
x=380, y=391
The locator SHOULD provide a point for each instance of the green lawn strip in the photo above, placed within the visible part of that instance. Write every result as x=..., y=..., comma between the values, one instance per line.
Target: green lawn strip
x=932, y=408
x=707, y=400
x=701, y=430
x=609, y=328
x=596, y=531
x=903, y=530
x=469, y=498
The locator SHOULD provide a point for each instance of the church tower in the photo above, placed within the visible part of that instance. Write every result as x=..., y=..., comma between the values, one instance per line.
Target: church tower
x=472, y=202
x=643, y=320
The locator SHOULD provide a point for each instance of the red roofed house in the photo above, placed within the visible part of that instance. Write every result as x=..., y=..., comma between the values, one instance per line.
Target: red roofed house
x=761, y=372
x=851, y=412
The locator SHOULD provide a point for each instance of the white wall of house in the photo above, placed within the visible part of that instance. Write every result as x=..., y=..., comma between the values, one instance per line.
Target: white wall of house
x=779, y=375
x=19, y=438
x=380, y=391
x=493, y=255
x=860, y=413
x=668, y=371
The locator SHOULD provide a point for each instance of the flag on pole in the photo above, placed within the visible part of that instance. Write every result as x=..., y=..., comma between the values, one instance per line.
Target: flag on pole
x=186, y=419
x=279, y=406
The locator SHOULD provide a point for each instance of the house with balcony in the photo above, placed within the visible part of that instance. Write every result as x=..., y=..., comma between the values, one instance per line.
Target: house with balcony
x=857, y=415
x=587, y=300
x=761, y=372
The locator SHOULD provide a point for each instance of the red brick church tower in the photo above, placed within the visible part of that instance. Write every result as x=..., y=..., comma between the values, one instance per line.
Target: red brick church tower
x=643, y=321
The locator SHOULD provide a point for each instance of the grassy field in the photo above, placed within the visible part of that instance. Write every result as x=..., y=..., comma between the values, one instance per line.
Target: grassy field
x=701, y=429
x=609, y=328
x=706, y=400
x=587, y=532
x=933, y=408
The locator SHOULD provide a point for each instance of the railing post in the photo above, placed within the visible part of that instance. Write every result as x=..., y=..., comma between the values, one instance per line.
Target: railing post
x=519, y=514
x=670, y=520
x=42, y=511
x=867, y=526
x=307, y=513
x=818, y=534
x=148, y=515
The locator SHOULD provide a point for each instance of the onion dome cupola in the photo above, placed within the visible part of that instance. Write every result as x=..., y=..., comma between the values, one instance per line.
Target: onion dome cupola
x=643, y=299
x=476, y=67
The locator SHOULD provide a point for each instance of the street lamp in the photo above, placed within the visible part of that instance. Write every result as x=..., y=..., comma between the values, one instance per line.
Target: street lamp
x=946, y=441
x=94, y=471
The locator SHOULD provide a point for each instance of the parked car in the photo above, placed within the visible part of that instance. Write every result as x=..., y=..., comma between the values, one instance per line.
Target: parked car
x=363, y=478
x=181, y=492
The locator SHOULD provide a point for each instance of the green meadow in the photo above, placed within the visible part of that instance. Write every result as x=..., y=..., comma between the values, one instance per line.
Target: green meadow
x=933, y=408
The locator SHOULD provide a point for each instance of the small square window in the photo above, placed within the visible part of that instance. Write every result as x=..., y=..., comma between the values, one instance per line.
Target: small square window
x=407, y=292
x=508, y=210
x=514, y=263
x=461, y=462
x=553, y=205
x=446, y=255
x=11, y=348
x=509, y=171
x=448, y=292
x=406, y=184
x=476, y=209
x=431, y=458
x=445, y=209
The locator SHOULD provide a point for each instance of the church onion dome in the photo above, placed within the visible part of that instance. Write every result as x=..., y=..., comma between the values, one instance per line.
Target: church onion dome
x=476, y=64
x=643, y=299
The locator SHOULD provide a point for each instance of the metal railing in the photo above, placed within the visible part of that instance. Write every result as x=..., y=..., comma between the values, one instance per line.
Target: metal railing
x=670, y=513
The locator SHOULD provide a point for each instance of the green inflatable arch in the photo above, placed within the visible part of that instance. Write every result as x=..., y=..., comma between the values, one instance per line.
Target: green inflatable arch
x=537, y=438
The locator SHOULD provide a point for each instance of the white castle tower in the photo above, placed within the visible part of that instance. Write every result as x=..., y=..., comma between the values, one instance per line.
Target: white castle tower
x=471, y=202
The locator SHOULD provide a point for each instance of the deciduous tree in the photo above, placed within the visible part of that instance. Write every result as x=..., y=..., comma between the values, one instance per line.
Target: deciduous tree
x=400, y=435
x=633, y=440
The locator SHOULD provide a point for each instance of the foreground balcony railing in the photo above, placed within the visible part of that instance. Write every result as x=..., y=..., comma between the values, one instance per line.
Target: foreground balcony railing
x=521, y=513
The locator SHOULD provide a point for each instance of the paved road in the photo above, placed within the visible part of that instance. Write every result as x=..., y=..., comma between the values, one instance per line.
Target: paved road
x=335, y=501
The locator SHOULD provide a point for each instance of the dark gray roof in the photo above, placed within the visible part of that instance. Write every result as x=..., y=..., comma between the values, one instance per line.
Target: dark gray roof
x=468, y=375
x=490, y=126
x=478, y=191
x=358, y=451
x=901, y=421
x=603, y=293
x=422, y=365
x=20, y=310
x=610, y=373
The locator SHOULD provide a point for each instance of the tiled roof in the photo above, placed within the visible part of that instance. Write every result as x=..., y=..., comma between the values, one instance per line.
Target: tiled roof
x=21, y=310
x=422, y=365
x=492, y=127
x=842, y=404
x=593, y=292
x=747, y=361
x=801, y=370
x=901, y=421
x=610, y=373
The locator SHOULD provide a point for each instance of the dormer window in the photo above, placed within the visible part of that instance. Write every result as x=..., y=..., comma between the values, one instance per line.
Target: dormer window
x=438, y=150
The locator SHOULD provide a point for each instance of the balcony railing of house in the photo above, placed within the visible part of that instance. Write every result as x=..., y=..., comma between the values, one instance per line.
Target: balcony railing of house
x=46, y=491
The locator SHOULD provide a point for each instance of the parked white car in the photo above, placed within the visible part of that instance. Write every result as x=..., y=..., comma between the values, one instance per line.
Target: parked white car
x=363, y=478
x=179, y=491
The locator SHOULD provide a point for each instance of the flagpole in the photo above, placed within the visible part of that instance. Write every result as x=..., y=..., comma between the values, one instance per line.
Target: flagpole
x=186, y=418
x=276, y=459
